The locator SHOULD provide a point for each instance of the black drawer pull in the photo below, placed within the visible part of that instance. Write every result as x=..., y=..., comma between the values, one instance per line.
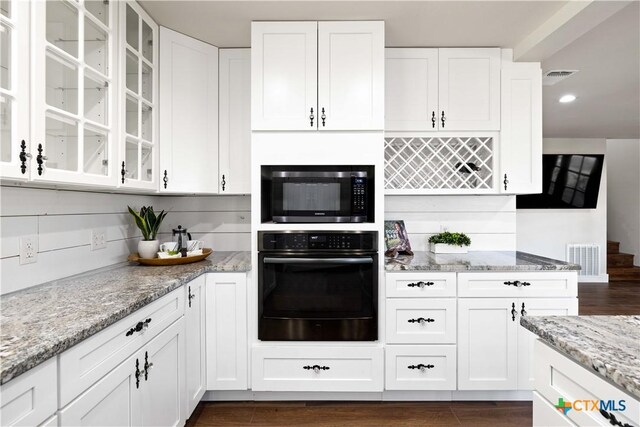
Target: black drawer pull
x=421, y=367
x=517, y=283
x=139, y=326
x=316, y=368
x=421, y=320
x=420, y=284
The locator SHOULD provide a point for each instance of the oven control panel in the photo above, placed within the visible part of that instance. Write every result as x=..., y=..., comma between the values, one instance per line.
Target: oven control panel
x=317, y=241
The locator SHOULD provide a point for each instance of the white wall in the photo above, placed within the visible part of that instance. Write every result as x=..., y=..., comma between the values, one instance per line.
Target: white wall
x=623, y=190
x=548, y=231
x=489, y=221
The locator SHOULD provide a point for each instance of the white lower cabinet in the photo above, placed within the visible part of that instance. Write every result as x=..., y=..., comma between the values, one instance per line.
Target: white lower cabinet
x=144, y=390
x=420, y=367
x=32, y=398
x=226, y=331
x=421, y=320
x=195, y=343
x=546, y=414
x=311, y=368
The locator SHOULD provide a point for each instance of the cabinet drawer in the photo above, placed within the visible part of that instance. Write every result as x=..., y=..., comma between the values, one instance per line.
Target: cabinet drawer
x=545, y=414
x=421, y=284
x=420, y=367
x=337, y=368
x=518, y=284
x=421, y=321
x=32, y=397
x=84, y=364
x=557, y=376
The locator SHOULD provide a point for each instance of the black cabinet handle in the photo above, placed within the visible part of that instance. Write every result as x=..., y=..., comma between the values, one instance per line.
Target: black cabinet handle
x=523, y=312
x=316, y=368
x=311, y=117
x=514, y=312
x=165, y=179
x=421, y=320
x=123, y=172
x=420, y=284
x=191, y=296
x=223, y=182
x=138, y=373
x=517, y=283
x=433, y=119
x=442, y=119
x=323, y=116
x=23, y=157
x=613, y=420
x=40, y=159
x=505, y=182
x=139, y=326
x=421, y=367
x=147, y=366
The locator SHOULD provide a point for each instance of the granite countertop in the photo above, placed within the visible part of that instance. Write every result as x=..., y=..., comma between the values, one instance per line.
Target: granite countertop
x=40, y=322
x=476, y=261
x=608, y=345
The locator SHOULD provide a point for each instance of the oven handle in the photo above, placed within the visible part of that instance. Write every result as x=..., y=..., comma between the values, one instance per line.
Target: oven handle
x=361, y=260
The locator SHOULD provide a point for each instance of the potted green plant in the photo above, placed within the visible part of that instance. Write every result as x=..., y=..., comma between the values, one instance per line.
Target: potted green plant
x=449, y=243
x=149, y=224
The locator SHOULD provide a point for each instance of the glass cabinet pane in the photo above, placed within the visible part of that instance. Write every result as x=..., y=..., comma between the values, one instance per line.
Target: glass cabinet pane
x=132, y=116
x=96, y=156
x=61, y=144
x=131, y=159
x=96, y=47
x=99, y=9
x=132, y=71
x=132, y=28
x=6, y=137
x=62, y=85
x=5, y=57
x=5, y=8
x=146, y=122
x=147, y=42
x=146, y=157
x=62, y=26
x=95, y=100
x=147, y=82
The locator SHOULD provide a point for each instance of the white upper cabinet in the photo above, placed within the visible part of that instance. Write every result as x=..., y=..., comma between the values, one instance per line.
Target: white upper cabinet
x=469, y=89
x=310, y=76
x=14, y=90
x=411, y=89
x=189, y=114
x=521, y=129
x=73, y=115
x=284, y=70
x=138, y=103
x=235, y=121
x=351, y=75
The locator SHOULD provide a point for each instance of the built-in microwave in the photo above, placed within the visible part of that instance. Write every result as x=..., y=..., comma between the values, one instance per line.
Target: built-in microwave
x=317, y=194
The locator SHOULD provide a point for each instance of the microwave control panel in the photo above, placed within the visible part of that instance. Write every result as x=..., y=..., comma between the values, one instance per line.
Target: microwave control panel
x=359, y=194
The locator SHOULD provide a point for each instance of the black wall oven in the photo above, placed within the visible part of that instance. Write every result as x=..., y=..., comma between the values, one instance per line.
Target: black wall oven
x=310, y=194
x=318, y=286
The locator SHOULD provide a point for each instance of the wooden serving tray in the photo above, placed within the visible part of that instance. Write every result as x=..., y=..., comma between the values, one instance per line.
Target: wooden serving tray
x=170, y=261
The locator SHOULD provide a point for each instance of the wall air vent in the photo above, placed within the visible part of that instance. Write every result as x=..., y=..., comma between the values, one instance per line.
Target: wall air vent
x=552, y=77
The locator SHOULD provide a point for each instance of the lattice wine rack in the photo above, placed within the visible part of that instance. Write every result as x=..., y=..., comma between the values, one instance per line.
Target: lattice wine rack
x=438, y=163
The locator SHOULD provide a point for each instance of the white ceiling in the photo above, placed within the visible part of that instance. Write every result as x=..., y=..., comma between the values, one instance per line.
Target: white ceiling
x=607, y=54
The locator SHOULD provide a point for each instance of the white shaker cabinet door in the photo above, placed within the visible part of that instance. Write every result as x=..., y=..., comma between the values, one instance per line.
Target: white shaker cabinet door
x=351, y=75
x=195, y=358
x=189, y=114
x=235, y=121
x=521, y=130
x=487, y=344
x=469, y=89
x=284, y=83
x=411, y=89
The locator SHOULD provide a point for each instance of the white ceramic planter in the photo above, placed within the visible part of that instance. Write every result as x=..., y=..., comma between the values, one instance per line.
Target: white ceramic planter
x=148, y=248
x=443, y=248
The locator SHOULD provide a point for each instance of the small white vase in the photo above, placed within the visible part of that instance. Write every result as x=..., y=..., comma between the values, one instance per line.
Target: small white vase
x=443, y=248
x=148, y=248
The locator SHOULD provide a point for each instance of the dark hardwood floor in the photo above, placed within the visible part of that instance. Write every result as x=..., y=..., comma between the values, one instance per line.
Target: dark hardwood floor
x=595, y=298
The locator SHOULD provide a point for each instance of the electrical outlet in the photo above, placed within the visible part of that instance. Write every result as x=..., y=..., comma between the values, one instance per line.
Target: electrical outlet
x=28, y=249
x=98, y=239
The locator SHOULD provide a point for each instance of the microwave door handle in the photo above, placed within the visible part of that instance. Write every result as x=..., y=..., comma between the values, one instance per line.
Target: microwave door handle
x=362, y=260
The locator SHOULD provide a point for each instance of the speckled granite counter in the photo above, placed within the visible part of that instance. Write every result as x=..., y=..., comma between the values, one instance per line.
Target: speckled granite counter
x=41, y=322
x=609, y=345
x=476, y=261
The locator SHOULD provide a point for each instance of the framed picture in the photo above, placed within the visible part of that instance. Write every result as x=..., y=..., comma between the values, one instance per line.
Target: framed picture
x=396, y=238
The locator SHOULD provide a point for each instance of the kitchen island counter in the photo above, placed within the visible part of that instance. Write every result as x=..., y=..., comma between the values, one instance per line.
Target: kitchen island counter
x=43, y=321
x=476, y=261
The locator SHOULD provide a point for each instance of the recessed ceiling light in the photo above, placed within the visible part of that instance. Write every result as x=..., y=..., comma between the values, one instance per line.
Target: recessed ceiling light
x=567, y=98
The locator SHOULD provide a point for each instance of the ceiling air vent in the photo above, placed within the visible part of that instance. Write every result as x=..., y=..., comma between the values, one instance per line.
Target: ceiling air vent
x=554, y=76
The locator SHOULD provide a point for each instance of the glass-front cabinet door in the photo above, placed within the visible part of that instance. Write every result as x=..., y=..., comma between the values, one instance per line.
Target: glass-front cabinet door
x=14, y=89
x=138, y=67
x=73, y=116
